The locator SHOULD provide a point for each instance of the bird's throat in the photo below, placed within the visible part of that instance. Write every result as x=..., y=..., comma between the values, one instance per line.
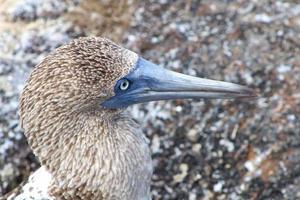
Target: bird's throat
x=89, y=152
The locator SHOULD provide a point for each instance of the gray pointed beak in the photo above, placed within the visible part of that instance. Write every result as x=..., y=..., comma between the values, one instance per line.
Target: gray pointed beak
x=150, y=82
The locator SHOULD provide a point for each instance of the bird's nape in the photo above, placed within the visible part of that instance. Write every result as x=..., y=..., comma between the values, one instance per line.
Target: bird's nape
x=150, y=82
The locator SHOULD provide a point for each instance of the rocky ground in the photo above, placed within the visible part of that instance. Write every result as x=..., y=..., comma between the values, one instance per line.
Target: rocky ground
x=206, y=149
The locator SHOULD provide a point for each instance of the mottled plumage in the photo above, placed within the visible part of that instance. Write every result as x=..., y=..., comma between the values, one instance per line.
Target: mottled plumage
x=74, y=138
x=71, y=110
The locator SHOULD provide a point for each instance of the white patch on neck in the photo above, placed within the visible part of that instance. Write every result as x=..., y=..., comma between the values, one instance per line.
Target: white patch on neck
x=37, y=186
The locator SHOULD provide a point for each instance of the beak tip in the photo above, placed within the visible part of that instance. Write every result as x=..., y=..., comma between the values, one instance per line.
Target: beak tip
x=249, y=93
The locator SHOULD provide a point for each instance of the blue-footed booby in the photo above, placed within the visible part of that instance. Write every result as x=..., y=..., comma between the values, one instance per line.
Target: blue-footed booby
x=72, y=113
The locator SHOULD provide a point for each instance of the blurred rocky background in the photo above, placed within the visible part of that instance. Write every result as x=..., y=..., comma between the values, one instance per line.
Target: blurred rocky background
x=206, y=149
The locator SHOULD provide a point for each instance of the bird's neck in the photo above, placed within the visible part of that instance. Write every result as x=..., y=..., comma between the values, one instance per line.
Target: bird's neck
x=95, y=154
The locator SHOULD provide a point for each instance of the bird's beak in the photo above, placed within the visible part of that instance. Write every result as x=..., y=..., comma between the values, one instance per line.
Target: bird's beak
x=150, y=82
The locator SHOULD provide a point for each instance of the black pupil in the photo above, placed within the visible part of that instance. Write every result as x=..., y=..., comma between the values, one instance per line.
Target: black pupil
x=124, y=85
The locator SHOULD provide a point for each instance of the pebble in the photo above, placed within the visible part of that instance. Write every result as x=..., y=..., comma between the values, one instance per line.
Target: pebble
x=184, y=172
x=193, y=135
x=218, y=186
x=228, y=144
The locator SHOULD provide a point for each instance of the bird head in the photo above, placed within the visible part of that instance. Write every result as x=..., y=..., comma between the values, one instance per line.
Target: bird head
x=95, y=73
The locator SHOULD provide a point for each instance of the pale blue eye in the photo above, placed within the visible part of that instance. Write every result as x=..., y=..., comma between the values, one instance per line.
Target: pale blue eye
x=124, y=84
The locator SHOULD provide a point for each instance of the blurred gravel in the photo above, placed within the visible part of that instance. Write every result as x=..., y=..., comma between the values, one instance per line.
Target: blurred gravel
x=206, y=149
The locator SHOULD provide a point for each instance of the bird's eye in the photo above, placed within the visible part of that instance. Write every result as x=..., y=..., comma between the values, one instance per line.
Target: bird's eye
x=124, y=84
